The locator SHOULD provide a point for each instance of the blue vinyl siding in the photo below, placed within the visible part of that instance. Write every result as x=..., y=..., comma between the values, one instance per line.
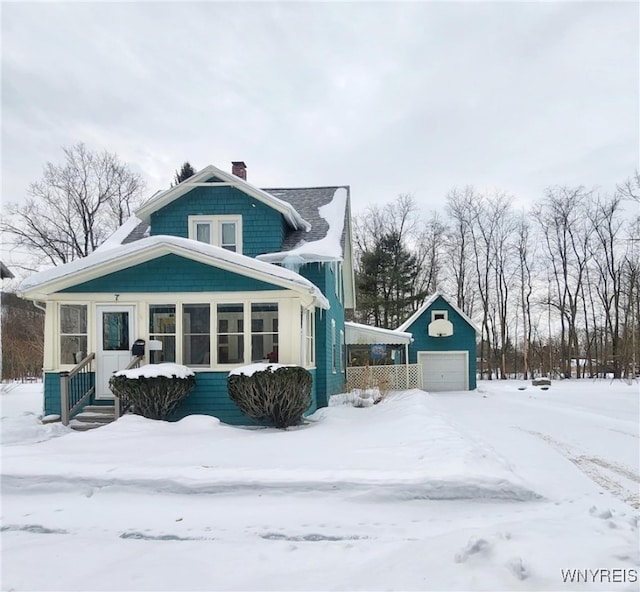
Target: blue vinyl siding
x=209, y=397
x=52, y=393
x=463, y=338
x=172, y=273
x=327, y=382
x=263, y=228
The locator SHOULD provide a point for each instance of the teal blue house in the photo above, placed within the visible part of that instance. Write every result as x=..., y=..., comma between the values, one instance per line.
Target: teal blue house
x=213, y=274
x=444, y=345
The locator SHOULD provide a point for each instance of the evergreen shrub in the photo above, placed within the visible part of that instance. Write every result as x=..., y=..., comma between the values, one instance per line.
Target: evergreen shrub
x=152, y=397
x=279, y=397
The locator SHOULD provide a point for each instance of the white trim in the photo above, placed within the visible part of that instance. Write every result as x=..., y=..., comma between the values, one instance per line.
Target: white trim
x=333, y=347
x=164, y=198
x=357, y=334
x=215, y=222
x=414, y=317
x=122, y=357
x=289, y=321
x=41, y=285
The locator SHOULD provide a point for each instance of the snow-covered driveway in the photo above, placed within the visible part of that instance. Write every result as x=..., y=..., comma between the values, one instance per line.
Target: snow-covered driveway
x=592, y=424
x=499, y=489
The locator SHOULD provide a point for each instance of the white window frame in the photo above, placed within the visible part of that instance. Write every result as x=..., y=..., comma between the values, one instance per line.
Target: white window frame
x=333, y=346
x=78, y=335
x=308, y=337
x=439, y=312
x=215, y=224
x=342, y=348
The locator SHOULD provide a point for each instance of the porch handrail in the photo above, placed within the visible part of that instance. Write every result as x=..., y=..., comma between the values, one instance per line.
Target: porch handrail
x=72, y=396
x=118, y=408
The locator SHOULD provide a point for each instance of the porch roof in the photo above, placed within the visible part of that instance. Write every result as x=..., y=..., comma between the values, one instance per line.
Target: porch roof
x=104, y=261
x=357, y=334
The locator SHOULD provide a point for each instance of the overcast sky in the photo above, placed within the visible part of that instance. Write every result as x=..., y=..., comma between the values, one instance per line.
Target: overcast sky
x=388, y=98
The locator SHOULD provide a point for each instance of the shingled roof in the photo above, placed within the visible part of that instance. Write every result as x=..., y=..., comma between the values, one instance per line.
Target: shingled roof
x=307, y=201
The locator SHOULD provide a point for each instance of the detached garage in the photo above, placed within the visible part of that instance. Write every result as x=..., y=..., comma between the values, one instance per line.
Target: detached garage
x=444, y=345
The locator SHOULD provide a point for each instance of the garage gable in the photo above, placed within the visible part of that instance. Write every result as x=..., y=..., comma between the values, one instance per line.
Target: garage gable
x=444, y=343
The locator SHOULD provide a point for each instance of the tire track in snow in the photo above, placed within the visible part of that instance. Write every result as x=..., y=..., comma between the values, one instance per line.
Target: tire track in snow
x=601, y=471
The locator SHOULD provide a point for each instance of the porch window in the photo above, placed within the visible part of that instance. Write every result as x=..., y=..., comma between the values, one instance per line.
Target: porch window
x=196, y=337
x=230, y=333
x=73, y=333
x=162, y=327
x=308, y=331
x=333, y=346
x=343, y=362
x=264, y=332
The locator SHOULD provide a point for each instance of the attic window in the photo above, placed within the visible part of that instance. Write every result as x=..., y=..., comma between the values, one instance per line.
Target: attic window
x=221, y=231
x=439, y=315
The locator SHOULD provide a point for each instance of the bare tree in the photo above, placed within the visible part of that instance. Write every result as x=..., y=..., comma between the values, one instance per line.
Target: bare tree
x=564, y=223
x=607, y=256
x=457, y=245
x=22, y=338
x=429, y=254
x=630, y=188
x=525, y=252
x=75, y=206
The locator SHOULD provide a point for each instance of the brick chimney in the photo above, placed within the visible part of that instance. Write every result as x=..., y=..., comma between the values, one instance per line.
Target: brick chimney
x=239, y=169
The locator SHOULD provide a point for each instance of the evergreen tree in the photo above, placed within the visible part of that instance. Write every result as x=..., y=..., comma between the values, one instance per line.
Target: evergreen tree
x=183, y=174
x=386, y=294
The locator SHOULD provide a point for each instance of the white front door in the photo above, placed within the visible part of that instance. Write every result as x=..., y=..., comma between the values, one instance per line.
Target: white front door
x=115, y=338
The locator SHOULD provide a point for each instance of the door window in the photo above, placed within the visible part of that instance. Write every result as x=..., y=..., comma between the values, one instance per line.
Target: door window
x=115, y=331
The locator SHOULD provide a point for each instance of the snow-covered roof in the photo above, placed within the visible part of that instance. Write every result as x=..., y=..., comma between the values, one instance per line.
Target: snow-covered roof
x=109, y=260
x=355, y=334
x=161, y=199
x=121, y=234
x=326, y=244
x=427, y=304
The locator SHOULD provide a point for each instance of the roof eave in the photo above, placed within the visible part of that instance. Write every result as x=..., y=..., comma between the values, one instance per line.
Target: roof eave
x=293, y=218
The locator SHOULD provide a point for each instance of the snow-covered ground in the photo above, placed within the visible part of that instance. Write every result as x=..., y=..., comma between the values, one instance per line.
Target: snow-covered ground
x=497, y=489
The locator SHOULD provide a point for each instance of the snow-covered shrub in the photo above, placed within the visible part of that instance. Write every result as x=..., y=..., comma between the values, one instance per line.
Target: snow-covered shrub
x=369, y=390
x=366, y=397
x=271, y=392
x=154, y=390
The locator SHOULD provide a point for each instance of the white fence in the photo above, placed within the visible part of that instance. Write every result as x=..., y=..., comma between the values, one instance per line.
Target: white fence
x=400, y=377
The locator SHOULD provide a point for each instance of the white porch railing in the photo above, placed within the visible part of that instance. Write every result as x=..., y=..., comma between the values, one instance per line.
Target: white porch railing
x=397, y=377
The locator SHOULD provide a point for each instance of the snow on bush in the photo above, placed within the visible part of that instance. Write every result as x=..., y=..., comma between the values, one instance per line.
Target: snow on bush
x=271, y=392
x=153, y=390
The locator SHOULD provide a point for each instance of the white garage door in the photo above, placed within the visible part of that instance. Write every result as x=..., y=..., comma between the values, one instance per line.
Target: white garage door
x=444, y=371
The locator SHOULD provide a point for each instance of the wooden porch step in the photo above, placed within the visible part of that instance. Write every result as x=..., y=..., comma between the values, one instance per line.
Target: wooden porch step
x=83, y=426
x=92, y=416
x=104, y=409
